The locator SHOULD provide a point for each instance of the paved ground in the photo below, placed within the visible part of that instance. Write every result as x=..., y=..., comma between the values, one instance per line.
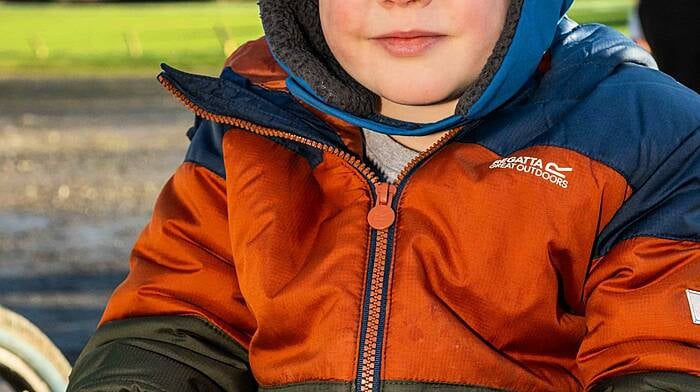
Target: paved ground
x=81, y=163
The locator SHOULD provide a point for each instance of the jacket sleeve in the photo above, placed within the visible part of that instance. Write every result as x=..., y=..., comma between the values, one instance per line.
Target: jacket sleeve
x=178, y=322
x=642, y=333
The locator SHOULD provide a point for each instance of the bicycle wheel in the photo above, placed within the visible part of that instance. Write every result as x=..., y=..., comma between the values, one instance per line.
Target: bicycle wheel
x=29, y=361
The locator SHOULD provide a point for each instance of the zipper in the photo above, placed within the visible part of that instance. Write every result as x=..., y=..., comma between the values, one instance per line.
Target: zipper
x=381, y=218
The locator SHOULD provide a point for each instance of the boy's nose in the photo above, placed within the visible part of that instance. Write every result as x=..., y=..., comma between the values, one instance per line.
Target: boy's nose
x=404, y=3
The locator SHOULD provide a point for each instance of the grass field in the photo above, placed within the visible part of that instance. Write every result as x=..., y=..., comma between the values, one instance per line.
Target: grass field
x=133, y=39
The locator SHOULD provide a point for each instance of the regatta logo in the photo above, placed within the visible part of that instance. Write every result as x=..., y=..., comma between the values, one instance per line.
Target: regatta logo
x=549, y=172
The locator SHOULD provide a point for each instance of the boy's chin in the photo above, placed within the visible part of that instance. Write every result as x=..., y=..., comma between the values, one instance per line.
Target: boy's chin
x=420, y=92
x=417, y=99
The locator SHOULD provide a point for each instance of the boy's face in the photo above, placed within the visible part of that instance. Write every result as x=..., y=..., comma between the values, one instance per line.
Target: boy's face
x=413, y=52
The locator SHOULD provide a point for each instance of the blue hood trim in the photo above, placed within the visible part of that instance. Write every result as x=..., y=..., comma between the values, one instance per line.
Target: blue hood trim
x=533, y=36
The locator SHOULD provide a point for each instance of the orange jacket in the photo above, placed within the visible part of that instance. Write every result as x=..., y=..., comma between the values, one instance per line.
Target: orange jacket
x=524, y=251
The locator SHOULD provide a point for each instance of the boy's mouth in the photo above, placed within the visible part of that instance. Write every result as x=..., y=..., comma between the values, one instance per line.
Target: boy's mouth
x=408, y=43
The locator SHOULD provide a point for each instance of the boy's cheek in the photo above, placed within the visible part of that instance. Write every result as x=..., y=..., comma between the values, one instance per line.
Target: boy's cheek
x=343, y=31
x=341, y=17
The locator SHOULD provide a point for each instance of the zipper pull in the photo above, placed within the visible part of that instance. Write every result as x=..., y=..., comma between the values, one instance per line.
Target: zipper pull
x=382, y=215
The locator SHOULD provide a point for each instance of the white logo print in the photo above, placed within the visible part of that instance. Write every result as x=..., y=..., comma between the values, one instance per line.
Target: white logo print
x=550, y=172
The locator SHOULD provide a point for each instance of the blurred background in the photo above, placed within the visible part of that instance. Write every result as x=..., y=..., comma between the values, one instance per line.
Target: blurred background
x=88, y=137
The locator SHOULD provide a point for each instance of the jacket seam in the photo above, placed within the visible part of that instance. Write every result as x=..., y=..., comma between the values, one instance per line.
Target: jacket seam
x=198, y=315
x=127, y=341
x=648, y=236
x=220, y=332
x=438, y=384
x=197, y=163
x=656, y=167
x=317, y=381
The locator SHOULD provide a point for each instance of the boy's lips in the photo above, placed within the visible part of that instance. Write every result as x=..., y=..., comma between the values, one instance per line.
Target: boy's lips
x=406, y=44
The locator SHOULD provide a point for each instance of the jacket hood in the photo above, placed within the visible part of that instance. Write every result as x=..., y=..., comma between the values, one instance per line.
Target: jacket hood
x=294, y=35
x=253, y=86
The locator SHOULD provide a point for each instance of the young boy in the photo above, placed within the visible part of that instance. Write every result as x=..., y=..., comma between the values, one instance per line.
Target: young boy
x=542, y=235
